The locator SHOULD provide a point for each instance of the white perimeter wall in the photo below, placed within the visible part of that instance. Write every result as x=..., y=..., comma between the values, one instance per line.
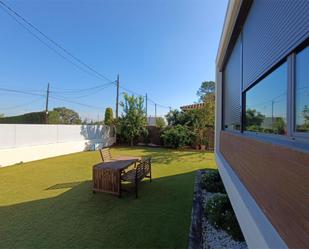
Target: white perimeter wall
x=23, y=143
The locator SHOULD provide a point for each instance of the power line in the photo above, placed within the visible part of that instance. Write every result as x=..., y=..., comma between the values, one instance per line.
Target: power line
x=76, y=91
x=79, y=94
x=133, y=92
x=7, y=9
x=52, y=41
x=21, y=105
x=78, y=103
x=155, y=103
x=51, y=96
x=20, y=91
x=48, y=46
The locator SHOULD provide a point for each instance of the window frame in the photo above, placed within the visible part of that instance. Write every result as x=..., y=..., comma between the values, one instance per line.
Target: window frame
x=296, y=134
x=300, y=138
x=292, y=134
x=270, y=71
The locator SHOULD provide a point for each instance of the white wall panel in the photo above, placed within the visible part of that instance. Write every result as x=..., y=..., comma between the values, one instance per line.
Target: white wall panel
x=29, y=135
x=23, y=143
x=7, y=136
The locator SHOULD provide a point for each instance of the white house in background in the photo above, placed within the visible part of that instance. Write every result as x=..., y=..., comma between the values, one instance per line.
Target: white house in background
x=151, y=121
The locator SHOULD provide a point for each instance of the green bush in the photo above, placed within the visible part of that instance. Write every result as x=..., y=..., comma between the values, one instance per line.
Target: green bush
x=176, y=136
x=211, y=181
x=220, y=214
x=231, y=225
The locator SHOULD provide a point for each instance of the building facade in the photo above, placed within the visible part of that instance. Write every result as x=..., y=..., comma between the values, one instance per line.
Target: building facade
x=262, y=119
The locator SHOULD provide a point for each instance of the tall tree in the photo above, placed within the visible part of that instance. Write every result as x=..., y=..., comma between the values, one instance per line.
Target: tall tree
x=133, y=120
x=109, y=117
x=207, y=87
x=209, y=109
x=172, y=117
x=254, y=118
x=67, y=116
x=175, y=117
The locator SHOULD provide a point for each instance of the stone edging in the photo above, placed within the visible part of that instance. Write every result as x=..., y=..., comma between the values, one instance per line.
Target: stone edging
x=195, y=234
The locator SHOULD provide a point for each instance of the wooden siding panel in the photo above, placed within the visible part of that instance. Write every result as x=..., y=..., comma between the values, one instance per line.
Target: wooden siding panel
x=278, y=179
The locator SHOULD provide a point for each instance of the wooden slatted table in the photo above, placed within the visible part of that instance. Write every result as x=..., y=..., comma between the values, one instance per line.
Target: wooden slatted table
x=106, y=176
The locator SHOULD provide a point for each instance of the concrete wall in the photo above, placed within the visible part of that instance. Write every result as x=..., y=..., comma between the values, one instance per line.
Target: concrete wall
x=23, y=143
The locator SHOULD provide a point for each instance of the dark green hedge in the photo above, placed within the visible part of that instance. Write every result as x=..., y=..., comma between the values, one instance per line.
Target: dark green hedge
x=31, y=118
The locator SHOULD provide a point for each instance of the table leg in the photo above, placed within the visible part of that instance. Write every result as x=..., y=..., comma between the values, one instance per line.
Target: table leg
x=119, y=188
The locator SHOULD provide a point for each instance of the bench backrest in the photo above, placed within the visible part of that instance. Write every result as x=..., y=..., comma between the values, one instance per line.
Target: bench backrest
x=106, y=154
x=143, y=168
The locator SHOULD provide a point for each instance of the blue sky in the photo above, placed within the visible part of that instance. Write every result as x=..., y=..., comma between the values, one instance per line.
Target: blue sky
x=164, y=48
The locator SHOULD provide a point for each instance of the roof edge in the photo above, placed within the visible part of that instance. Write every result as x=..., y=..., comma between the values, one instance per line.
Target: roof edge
x=228, y=27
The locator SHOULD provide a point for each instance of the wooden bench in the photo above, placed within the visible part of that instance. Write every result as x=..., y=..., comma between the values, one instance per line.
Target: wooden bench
x=106, y=155
x=142, y=170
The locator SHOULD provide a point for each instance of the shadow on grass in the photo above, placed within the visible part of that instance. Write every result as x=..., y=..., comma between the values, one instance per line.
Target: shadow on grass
x=64, y=185
x=160, y=218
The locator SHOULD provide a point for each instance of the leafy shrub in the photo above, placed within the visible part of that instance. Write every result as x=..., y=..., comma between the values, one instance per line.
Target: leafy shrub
x=205, y=141
x=220, y=214
x=132, y=123
x=176, y=136
x=211, y=181
x=231, y=225
x=145, y=136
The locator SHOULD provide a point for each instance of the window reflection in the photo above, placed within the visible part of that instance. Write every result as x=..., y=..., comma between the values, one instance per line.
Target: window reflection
x=302, y=91
x=266, y=103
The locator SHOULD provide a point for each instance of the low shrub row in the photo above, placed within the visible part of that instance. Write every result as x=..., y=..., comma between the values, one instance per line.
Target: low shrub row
x=218, y=210
x=212, y=182
x=220, y=214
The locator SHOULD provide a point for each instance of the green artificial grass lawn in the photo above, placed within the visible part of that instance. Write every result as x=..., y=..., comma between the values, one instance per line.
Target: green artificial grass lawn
x=50, y=204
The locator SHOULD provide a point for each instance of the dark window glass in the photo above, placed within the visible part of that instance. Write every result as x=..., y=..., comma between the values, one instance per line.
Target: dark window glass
x=266, y=103
x=302, y=91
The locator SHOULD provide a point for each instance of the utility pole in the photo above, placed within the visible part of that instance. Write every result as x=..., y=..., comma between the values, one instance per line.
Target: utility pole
x=272, y=112
x=146, y=104
x=155, y=111
x=170, y=108
x=46, y=108
x=117, y=96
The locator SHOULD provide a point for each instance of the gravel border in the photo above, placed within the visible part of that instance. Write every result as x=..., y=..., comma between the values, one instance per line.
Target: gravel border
x=217, y=239
x=202, y=233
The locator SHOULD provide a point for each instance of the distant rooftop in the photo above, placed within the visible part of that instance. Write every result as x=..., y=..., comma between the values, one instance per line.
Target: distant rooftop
x=192, y=107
